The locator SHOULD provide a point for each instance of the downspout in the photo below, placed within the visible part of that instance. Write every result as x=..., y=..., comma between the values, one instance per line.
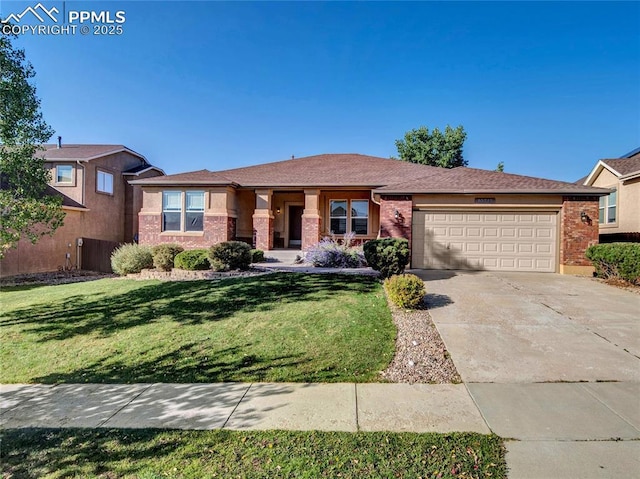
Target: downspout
x=380, y=212
x=83, y=181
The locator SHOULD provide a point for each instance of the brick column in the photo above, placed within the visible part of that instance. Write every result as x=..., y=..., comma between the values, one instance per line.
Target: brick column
x=263, y=220
x=390, y=226
x=311, y=220
x=577, y=235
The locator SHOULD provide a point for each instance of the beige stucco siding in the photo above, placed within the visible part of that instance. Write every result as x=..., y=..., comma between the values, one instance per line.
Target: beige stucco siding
x=501, y=201
x=628, y=207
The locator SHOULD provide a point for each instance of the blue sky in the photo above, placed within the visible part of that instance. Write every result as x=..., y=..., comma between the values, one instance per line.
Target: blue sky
x=548, y=88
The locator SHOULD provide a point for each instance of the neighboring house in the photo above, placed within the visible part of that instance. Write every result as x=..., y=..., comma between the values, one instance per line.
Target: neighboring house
x=619, y=214
x=459, y=218
x=100, y=206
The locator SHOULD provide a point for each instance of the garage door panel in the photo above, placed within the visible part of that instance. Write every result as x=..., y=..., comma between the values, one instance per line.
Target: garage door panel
x=485, y=240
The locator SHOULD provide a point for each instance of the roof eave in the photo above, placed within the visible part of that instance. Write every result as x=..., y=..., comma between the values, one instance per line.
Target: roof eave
x=138, y=173
x=580, y=192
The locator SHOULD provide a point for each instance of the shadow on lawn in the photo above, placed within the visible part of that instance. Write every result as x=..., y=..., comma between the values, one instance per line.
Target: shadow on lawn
x=190, y=302
x=190, y=363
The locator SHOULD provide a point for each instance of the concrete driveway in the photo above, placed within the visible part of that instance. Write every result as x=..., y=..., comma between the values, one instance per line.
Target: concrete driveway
x=553, y=364
x=535, y=327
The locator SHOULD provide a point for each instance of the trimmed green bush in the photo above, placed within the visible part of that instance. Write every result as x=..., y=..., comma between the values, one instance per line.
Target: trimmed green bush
x=616, y=260
x=230, y=255
x=193, y=260
x=257, y=256
x=406, y=290
x=131, y=258
x=164, y=255
x=388, y=255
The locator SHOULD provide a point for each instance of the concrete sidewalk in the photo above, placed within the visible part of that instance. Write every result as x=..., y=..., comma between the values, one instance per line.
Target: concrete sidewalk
x=552, y=429
x=328, y=407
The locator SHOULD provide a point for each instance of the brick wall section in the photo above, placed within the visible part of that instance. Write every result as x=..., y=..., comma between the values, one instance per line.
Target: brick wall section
x=216, y=230
x=575, y=235
x=310, y=231
x=263, y=232
x=390, y=227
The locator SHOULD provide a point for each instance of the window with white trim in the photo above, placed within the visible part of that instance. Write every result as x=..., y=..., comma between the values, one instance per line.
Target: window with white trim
x=608, y=206
x=104, y=182
x=64, y=174
x=349, y=216
x=182, y=211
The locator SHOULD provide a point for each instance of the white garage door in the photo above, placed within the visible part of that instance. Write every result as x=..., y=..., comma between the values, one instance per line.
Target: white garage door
x=484, y=240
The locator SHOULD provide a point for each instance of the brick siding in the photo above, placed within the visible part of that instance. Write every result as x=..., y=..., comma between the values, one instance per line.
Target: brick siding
x=263, y=232
x=216, y=229
x=390, y=227
x=575, y=235
x=310, y=231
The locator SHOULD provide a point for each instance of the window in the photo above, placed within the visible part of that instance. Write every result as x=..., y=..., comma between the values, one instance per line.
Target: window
x=338, y=217
x=105, y=182
x=64, y=174
x=607, y=211
x=358, y=215
x=195, y=211
x=174, y=203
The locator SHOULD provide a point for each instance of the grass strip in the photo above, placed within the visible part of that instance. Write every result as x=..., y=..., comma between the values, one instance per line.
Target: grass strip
x=155, y=454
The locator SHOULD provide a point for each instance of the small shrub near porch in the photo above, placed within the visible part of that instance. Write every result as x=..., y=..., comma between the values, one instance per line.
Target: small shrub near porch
x=193, y=260
x=389, y=256
x=230, y=255
x=405, y=290
x=616, y=261
x=164, y=255
x=334, y=253
x=131, y=258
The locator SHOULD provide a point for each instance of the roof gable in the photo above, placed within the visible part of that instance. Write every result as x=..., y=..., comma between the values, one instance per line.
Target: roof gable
x=77, y=152
x=623, y=168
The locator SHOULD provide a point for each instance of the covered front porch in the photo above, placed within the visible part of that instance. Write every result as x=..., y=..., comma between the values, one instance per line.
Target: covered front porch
x=272, y=219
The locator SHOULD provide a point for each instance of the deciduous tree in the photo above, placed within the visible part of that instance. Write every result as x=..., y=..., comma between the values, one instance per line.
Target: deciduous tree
x=26, y=211
x=435, y=148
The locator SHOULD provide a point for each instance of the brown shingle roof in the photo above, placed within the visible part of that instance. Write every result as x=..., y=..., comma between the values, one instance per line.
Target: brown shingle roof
x=336, y=170
x=82, y=152
x=353, y=170
x=624, y=166
x=472, y=180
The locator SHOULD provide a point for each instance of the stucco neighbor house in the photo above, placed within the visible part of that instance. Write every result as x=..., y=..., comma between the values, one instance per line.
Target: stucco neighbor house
x=101, y=208
x=619, y=213
x=462, y=218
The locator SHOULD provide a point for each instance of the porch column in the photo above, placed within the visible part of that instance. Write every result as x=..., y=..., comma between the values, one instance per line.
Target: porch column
x=311, y=219
x=221, y=215
x=263, y=220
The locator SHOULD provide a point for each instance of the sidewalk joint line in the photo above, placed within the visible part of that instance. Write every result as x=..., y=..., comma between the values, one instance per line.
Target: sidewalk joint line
x=593, y=395
x=484, y=419
x=125, y=405
x=236, y=406
x=355, y=390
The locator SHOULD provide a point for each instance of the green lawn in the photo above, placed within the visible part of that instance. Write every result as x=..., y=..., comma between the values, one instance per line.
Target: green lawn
x=279, y=327
x=155, y=454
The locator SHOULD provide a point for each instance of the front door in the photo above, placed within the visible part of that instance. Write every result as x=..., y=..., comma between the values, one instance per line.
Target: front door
x=295, y=225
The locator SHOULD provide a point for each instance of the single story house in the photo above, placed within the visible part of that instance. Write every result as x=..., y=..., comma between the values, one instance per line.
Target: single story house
x=101, y=208
x=461, y=218
x=619, y=211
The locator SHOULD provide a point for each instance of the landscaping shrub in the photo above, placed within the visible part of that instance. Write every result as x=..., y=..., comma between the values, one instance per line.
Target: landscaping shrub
x=388, y=255
x=193, y=260
x=131, y=258
x=164, y=255
x=616, y=261
x=333, y=253
x=257, y=256
x=230, y=255
x=406, y=290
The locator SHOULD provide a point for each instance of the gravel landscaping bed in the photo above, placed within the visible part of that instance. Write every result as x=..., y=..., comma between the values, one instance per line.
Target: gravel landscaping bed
x=421, y=356
x=54, y=277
